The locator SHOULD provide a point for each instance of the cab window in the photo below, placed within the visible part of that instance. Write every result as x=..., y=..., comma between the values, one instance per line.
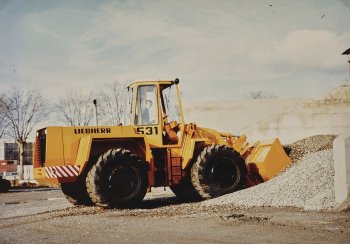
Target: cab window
x=171, y=104
x=146, y=106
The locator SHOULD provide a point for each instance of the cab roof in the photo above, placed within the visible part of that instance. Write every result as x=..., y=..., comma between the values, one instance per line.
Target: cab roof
x=167, y=82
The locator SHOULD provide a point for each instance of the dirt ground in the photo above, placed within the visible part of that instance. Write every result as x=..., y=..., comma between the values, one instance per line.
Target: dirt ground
x=44, y=216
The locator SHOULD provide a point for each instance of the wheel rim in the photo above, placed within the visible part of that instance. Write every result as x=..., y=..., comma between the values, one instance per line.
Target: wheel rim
x=123, y=181
x=224, y=173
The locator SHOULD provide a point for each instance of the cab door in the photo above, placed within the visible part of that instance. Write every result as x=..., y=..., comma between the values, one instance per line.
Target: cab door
x=172, y=116
x=146, y=118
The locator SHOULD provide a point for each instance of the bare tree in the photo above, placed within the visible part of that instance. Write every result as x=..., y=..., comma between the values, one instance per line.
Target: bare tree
x=111, y=100
x=261, y=95
x=22, y=110
x=2, y=118
x=75, y=109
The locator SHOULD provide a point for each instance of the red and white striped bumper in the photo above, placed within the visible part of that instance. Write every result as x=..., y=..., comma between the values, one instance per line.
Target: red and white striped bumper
x=62, y=171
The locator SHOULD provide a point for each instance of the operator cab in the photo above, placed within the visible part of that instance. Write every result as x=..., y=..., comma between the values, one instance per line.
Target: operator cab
x=154, y=109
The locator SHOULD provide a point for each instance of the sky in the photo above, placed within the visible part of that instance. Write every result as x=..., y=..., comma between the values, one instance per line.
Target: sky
x=218, y=49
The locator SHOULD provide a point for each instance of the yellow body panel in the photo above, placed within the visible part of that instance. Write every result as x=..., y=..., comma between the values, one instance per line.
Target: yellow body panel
x=83, y=152
x=54, y=148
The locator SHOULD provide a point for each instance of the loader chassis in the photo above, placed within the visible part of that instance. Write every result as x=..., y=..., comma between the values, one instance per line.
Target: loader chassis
x=113, y=166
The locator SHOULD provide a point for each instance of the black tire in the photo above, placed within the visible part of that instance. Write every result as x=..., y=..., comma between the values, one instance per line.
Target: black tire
x=118, y=179
x=218, y=170
x=5, y=185
x=76, y=193
x=186, y=191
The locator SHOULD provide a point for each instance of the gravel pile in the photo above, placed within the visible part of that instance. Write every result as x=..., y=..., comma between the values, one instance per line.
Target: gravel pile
x=308, y=145
x=308, y=183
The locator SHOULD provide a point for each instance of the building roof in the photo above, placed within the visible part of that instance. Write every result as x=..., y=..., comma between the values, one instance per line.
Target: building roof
x=341, y=93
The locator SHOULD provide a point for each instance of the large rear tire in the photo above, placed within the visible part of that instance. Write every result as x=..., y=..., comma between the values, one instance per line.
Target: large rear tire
x=218, y=170
x=118, y=179
x=76, y=193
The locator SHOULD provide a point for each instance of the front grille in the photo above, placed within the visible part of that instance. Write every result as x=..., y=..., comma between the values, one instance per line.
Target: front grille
x=40, y=149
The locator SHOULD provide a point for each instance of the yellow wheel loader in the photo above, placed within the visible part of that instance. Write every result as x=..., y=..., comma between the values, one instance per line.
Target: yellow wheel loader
x=114, y=166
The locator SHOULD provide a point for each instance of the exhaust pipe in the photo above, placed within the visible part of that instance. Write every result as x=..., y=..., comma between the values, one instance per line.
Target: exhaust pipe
x=95, y=108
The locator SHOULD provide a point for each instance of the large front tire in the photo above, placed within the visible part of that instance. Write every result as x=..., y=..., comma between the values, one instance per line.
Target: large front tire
x=117, y=179
x=218, y=170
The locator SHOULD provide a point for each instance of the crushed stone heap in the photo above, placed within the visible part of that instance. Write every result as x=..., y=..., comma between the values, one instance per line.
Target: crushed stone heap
x=309, y=145
x=307, y=184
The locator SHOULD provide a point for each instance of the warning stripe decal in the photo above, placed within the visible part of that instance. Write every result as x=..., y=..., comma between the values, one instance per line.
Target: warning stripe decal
x=48, y=174
x=62, y=171
x=74, y=169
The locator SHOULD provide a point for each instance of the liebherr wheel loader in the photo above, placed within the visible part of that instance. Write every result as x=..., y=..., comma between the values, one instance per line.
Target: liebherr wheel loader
x=114, y=166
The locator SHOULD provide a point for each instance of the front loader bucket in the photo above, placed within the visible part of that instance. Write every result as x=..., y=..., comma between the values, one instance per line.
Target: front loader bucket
x=266, y=160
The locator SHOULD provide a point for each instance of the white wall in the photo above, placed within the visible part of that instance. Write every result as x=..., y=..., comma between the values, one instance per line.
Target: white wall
x=341, y=155
x=289, y=119
x=308, y=119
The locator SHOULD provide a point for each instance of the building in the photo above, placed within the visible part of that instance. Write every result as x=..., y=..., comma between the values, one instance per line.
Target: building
x=11, y=152
x=10, y=166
